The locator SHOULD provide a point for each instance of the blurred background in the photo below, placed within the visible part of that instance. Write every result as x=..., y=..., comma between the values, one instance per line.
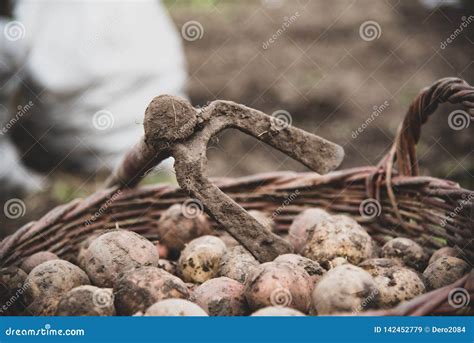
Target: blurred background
x=345, y=70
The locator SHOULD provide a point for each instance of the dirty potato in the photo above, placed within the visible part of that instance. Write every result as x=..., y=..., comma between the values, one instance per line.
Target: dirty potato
x=346, y=288
x=408, y=251
x=237, y=263
x=175, y=307
x=338, y=236
x=115, y=253
x=395, y=282
x=221, y=296
x=313, y=268
x=48, y=282
x=176, y=228
x=36, y=259
x=279, y=284
x=302, y=226
x=87, y=301
x=142, y=287
x=12, y=288
x=277, y=311
x=199, y=261
x=444, y=271
x=443, y=252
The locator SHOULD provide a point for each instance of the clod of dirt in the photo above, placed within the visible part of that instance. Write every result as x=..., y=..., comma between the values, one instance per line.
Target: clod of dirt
x=168, y=119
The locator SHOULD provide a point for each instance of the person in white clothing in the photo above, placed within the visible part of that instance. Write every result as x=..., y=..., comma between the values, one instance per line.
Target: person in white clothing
x=75, y=79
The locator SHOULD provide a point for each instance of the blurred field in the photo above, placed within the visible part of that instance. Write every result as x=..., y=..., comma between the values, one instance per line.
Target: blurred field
x=327, y=77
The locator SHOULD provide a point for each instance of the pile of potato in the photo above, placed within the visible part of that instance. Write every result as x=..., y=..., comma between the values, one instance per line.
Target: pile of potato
x=194, y=271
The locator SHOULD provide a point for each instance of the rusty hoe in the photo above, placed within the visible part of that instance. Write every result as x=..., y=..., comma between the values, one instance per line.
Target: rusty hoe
x=174, y=128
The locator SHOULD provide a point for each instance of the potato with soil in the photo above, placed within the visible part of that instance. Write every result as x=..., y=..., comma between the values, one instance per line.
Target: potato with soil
x=87, y=301
x=115, y=253
x=313, y=268
x=142, y=287
x=48, y=282
x=279, y=284
x=338, y=236
x=346, y=288
x=338, y=261
x=395, y=282
x=302, y=226
x=445, y=271
x=237, y=263
x=174, y=308
x=83, y=246
x=443, y=252
x=178, y=226
x=36, y=259
x=221, y=296
x=277, y=311
x=12, y=288
x=199, y=261
x=408, y=251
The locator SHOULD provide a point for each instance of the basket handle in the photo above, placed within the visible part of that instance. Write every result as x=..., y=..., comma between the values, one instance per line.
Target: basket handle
x=403, y=150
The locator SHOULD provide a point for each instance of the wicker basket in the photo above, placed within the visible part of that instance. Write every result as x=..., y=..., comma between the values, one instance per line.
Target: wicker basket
x=431, y=211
